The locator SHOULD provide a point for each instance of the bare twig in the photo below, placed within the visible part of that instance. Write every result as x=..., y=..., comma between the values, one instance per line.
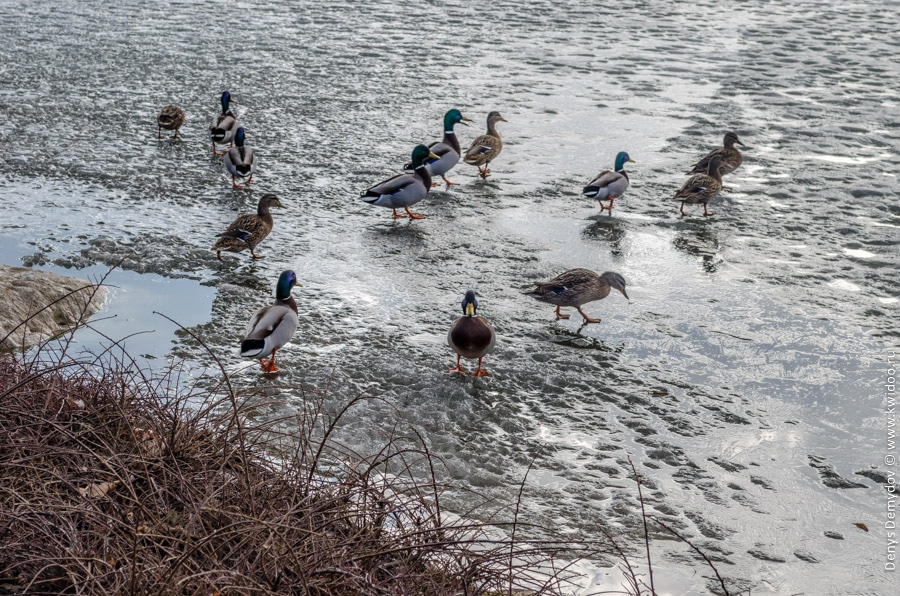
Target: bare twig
x=696, y=550
x=637, y=480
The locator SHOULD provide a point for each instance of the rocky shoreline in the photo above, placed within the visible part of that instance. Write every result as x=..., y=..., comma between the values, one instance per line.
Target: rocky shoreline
x=36, y=305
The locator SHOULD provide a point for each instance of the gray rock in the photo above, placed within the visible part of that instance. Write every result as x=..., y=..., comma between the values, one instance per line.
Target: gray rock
x=24, y=294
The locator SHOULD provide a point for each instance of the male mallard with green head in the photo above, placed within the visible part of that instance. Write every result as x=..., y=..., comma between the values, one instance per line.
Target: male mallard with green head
x=240, y=161
x=249, y=229
x=272, y=326
x=577, y=287
x=223, y=125
x=447, y=149
x=403, y=190
x=702, y=188
x=471, y=336
x=486, y=147
x=609, y=184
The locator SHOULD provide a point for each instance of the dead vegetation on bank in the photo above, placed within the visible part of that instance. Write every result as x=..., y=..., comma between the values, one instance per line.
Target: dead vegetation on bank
x=114, y=483
x=108, y=488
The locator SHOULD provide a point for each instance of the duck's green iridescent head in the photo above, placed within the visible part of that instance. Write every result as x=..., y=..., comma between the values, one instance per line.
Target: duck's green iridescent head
x=286, y=281
x=239, y=137
x=226, y=101
x=470, y=304
x=453, y=117
x=621, y=158
x=420, y=154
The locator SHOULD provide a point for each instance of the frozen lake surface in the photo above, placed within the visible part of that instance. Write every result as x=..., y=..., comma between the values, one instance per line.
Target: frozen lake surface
x=745, y=377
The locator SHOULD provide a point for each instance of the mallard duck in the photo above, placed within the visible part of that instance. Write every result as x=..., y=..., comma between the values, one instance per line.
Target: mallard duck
x=731, y=157
x=447, y=149
x=403, y=190
x=609, y=184
x=249, y=229
x=272, y=326
x=576, y=287
x=240, y=161
x=701, y=188
x=486, y=147
x=170, y=117
x=223, y=125
x=471, y=336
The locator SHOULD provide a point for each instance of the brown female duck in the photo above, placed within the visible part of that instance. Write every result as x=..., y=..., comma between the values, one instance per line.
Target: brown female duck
x=577, y=287
x=486, y=147
x=701, y=188
x=171, y=117
x=731, y=157
x=249, y=229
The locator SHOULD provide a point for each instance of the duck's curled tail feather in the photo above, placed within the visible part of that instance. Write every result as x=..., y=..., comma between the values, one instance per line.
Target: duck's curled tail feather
x=252, y=347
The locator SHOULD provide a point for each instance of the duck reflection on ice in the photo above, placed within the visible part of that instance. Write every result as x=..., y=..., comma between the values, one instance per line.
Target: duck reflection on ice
x=611, y=232
x=700, y=241
x=565, y=336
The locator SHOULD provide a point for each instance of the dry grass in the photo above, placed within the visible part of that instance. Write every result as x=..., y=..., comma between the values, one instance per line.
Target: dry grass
x=108, y=486
x=113, y=483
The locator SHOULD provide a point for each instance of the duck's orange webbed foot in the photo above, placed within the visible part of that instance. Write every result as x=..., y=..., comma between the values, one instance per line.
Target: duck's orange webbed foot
x=458, y=368
x=268, y=366
x=587, y=319
x=480, y=372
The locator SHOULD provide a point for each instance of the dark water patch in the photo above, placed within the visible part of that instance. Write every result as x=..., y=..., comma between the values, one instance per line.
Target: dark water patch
x=806, y=556
x=145, y=254
x=727, y=465
x=666, y=510
x=706, y=528
x=830, y=476
x=763, y=482
x=875, y=476
x=673, y=457
x=765, y=555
